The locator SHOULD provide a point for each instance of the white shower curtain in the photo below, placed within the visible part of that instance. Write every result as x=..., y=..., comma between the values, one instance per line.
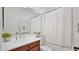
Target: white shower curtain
x=56, y=26
x=53, y=27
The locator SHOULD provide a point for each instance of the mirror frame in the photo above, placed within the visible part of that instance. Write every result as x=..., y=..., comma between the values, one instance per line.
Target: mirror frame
x=2, y=18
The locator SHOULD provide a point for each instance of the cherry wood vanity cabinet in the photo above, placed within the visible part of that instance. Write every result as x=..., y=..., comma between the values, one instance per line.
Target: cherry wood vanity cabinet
x=34, y=46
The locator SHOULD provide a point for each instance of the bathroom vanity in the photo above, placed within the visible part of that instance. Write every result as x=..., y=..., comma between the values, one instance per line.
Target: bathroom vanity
x=34, y=46
x=22, y=45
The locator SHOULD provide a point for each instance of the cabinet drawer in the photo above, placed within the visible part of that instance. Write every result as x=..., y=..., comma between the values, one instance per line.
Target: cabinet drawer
x=37, y=43
x=37, y=48
x=23, y=48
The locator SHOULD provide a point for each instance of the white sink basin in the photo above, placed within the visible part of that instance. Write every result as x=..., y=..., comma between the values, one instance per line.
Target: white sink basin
x=13, y=43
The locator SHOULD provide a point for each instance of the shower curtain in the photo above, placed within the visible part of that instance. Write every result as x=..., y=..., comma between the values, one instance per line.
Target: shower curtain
x=56, y=26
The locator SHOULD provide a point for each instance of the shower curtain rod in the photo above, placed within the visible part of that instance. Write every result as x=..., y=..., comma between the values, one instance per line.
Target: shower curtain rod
x=44, y=13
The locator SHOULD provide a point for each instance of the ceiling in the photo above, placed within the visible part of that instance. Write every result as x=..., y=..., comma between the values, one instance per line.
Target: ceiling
x=42, y=9
x=39, y=10
x=22, y=13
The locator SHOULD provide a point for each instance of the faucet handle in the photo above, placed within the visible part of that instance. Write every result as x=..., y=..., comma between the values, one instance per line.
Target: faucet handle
x=17, y=33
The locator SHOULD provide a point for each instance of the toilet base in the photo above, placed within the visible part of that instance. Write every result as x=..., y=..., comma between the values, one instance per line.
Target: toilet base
x=45, y=48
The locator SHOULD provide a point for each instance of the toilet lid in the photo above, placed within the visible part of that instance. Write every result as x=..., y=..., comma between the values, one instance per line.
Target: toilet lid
x=45, y=48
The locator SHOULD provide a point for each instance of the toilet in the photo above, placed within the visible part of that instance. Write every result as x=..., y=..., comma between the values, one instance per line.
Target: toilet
x=43, y=47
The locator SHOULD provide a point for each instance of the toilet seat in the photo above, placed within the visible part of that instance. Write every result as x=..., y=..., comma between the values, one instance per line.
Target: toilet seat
x=45, y=48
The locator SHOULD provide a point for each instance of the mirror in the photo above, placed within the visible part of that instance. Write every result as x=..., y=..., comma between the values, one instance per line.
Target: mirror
x=0, y=20
x=16, y=20
x=24, y=26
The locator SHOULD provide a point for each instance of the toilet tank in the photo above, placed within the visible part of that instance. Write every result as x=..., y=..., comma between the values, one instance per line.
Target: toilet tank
x=42, y=39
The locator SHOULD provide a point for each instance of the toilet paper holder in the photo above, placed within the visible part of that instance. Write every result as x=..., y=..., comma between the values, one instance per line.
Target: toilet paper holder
x=76, y=48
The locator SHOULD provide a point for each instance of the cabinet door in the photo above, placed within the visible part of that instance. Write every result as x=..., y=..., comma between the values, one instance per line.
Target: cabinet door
x=34, y=44
x=37, y=48
x=22, y=48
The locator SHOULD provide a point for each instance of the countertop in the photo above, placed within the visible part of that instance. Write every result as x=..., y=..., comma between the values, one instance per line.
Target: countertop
x=6, y=46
